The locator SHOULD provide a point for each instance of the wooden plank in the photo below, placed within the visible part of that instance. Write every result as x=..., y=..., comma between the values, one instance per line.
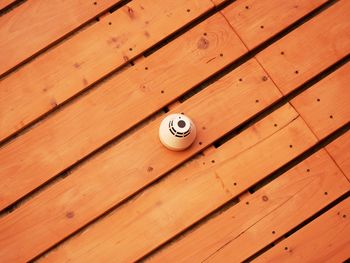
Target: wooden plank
x=113, y=175
x=5, y=3
x=102, y=120
x=144, y=165
x=40, y=23
x=80, y=61
x=327, y=102
x=104, y=113
x=263, y=217
x=174, y=204
x=291, y=61
x=255, y=21
x=325, y=238
x=97, y=233
x=339, y=150
x=218, y=2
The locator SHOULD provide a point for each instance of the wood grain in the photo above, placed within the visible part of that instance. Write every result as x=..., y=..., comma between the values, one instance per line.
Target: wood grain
x=339, y=150
x=262, y=217
x=309, y=49
x=327, y=102
x=325, y=238
x=122, y=170
x=116, y=106
x=255, y=21
x=36, y=24
x=80, y=61
x=165, y=217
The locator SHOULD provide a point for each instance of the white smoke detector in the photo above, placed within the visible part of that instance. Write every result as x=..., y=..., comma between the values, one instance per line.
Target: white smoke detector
x=177, y=132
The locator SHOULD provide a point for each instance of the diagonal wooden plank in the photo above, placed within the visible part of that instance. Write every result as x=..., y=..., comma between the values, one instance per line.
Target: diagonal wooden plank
x=256, y=21
x=73, y=153
x=293, y=60
x=326, y=102
x=133, y=163
x=110, y=170
x=80, y=61
x=263, y=217
x=116, y=106
x=164, y=216
x=327, y=237
x=218, y=2
x=339, y=150
x=154, y=217
x=5, y=3
x=210, y=244
x=37, y=23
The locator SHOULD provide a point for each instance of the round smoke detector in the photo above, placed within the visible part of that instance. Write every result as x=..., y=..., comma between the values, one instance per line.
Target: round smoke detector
x=177, y=132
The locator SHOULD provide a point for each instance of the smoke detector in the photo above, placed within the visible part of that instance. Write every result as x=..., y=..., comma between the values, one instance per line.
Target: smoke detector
x=177, y=132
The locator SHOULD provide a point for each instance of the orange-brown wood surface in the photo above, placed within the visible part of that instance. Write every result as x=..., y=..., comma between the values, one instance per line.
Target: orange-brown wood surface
x=267, y=214
x=218, y=2
x=309, y=49
x=84, y=86
x=326, y=238
x=115, y=175
x=327, y=102
x=36, y=24
x=339, y=150
x=255, y=20
x=5, y=3
x=120, y=103
x=94, y=238
x=55, y=129
x=80, y=61
x=160, y=214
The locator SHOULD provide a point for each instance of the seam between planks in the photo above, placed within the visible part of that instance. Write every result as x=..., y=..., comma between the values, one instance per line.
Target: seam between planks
x=173, y=36
x=94, y=85
x=110, y=143
x=299, y=226
x=280, y=171
x=60, y=39
x=337, y=164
